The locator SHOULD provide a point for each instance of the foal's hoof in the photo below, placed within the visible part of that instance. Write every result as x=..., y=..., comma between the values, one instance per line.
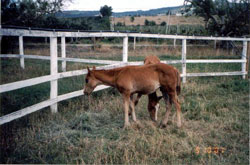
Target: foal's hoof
x=178, y=125
x=163, y=125
x=127, y=125
x=154, y=120
x=138, y=125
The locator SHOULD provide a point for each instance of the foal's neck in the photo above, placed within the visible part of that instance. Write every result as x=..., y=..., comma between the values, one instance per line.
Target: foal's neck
x=106, y=76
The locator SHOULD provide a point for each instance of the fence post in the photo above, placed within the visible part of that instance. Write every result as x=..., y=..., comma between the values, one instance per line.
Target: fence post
x=244, y=57
x=248, y=58
x=21, y=52
x=134, y=42
x=0, y=42
x=53, y=71
x=125, y=50
x=63, y=53
x=175, y=41
x=215, y=44
x=183, y=57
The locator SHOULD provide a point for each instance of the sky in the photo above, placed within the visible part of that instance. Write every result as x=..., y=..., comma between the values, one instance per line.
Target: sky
x=121, y=5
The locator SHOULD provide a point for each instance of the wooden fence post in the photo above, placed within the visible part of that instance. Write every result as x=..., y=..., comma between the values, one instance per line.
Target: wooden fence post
x=21, y=52
x=175, y=41
x=125, y=50
x=53, y=71
x=134, y=42
x=183, y=57
x=63, y=53
x=244, y=57
x=248, y=58
x=0, y=44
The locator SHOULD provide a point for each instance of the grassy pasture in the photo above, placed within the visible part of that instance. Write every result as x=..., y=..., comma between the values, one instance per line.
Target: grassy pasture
x=173, y=20
x=215, y=115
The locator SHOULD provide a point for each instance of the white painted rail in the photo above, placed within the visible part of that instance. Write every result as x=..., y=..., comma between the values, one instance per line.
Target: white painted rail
x=89, y=61
x=54, y=75
x=25, y=111
x=92, y=61
x=39, y=33
x=43, y=79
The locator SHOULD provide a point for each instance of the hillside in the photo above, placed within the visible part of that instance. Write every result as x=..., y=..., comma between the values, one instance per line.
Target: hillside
x=152, y=12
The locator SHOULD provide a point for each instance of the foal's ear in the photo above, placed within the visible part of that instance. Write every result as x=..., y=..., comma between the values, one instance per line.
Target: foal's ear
x=94, y=68
x=88, y=69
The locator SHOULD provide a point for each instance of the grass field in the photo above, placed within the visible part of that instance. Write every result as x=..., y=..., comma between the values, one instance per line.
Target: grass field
x=173, y=20
x=215, y=114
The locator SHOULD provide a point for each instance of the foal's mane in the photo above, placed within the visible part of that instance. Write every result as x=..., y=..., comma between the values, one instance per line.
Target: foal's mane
x=110, y=72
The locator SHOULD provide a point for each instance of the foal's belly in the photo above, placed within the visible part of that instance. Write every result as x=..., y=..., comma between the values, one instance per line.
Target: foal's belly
x=147, y=88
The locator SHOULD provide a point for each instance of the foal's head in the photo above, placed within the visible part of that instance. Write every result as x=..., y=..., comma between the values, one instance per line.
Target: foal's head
x=153, y=107
x=90, y=82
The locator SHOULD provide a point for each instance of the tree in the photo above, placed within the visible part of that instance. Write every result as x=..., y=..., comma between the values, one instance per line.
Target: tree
x=132, y=18
x=163, y=23
x=119, y=24
x=106, y=11
x=31, y=13
x=149, y=23
x=223, y=17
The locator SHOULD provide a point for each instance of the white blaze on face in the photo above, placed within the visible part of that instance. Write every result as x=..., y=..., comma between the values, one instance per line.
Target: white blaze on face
x=156, y=110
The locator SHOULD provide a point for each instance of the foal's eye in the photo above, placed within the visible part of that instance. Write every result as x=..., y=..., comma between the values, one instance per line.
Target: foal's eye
x=86, y=80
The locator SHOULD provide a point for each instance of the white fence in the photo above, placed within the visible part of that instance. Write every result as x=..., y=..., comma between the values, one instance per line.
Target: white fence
x=54, y=75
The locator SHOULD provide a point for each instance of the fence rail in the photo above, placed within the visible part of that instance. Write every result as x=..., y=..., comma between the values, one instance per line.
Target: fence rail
x=54, y=75
x=25, y=111
x=38, y=33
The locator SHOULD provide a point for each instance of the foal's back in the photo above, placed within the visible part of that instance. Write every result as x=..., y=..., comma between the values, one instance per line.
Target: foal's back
x=146, y=78
x=146, y=71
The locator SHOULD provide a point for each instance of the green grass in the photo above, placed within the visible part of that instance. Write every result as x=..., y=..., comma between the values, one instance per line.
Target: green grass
x=215, y=114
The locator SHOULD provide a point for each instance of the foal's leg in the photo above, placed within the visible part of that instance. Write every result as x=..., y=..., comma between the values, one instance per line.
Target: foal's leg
x=132, y=106
x=137, y=99
x=174, y=99
x=134, y=101
x=126, y=100
x=153, y=105
x=168, y=108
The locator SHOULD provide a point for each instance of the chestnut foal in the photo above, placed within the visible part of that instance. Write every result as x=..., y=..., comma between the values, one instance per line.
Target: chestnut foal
x=144, y=79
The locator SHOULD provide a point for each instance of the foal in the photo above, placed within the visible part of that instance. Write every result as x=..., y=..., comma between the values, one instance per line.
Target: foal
x=144, y=79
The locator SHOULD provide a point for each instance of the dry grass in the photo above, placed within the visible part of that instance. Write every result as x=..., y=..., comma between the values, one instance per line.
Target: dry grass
x=93, y=133
x=174, y=20
x=143, y=48
x=215, y=113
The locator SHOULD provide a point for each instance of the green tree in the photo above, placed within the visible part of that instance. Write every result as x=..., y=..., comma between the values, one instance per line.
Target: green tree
x=223, y=17
x=149, y=23
x=119, y=24
x=132, y=19
x=163, y=23
x=32, y=13
x=106, y=11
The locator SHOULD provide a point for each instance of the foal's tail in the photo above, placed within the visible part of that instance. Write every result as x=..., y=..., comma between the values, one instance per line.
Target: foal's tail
x=178, y=86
